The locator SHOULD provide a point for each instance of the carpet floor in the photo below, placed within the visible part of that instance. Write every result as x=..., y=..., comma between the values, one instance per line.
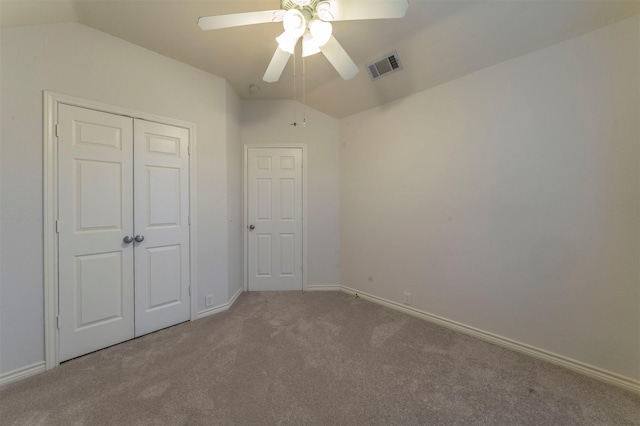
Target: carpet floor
x=320, y=358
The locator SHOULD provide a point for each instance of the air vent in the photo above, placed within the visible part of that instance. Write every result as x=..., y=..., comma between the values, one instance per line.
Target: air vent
x=384, y=66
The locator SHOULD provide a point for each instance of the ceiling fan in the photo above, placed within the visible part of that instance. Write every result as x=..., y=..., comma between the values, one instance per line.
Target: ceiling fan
x=311, y=21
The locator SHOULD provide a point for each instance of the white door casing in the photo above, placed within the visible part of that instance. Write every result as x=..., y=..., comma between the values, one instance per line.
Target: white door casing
x=161, y=176
x=51, y=183
x=274, y=219
x=96, y=212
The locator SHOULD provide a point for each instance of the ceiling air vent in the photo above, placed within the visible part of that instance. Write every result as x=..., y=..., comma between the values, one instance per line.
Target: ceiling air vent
x=384, y=66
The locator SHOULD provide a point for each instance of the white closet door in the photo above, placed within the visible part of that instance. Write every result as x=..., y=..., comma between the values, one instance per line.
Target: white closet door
x=161, y=184
x=274, y=179
x=95, y=199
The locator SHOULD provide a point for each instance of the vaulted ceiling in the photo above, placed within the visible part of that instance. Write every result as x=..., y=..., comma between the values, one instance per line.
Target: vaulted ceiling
x=437, y=41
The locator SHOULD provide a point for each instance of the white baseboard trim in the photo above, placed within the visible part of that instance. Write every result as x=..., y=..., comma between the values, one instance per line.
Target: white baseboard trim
x=39, y=367
x=572, y=364
x=327, y=287
x=220, y=308
x=22, y=373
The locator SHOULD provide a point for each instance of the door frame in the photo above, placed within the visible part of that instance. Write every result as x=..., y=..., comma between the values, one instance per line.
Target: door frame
x=245, y=189
x=51, y=100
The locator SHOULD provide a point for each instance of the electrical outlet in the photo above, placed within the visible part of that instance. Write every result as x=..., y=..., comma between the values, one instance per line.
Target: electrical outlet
x=407, y=298
x=208, y=300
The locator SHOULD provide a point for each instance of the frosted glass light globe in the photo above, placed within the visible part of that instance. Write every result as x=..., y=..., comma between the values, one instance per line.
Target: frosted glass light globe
x=294, y=23
x=321, y=31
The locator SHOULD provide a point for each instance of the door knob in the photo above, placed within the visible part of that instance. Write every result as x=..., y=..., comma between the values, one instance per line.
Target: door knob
x=252, y=227
x=127, y=239
x=139, y=238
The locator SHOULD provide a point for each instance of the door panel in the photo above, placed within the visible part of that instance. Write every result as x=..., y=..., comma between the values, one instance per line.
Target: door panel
x=95, y=199
x=163, y=196
x=287, y=254
x=164, y=273
x=99, y=195
x=274, y=179
x=161, y=217
x=264, y=254
x=100, y=288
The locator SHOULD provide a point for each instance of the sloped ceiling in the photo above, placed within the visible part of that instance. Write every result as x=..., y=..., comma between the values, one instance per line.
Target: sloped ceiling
x=438, y=40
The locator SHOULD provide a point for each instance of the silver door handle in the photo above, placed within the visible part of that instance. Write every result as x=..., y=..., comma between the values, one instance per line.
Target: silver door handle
x=127, y=239
x=252, y=227
x=139, y=238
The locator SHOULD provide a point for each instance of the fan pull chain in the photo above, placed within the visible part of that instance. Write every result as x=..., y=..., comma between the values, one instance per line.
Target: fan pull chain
x=294, y=124
x=304, y=93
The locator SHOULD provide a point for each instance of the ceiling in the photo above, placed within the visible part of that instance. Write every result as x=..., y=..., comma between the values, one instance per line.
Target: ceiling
x=437, y=41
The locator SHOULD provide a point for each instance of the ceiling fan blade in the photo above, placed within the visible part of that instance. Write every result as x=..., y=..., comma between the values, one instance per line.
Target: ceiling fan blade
x=276, y=66
x=239, y=19
x=346, y=10
x=339, y=58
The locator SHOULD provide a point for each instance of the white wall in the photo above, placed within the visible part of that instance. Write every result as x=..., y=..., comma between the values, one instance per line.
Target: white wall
x=508, y=200
x=79, y=61
x=234, y=191
x=269, y=122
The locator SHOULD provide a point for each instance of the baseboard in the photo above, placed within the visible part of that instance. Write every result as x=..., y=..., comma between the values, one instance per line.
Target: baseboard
x=235, y=296
x=569, y=363
x=328, y=287
x=39, y=367
x=22, y=373
x=220, y=308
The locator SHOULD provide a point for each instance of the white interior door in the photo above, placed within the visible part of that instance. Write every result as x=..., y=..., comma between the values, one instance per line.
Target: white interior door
x=162, y=224
x=95, y=199
x=274, y=213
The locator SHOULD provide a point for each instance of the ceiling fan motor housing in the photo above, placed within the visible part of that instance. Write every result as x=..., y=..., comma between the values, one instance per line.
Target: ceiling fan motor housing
x=307, y=7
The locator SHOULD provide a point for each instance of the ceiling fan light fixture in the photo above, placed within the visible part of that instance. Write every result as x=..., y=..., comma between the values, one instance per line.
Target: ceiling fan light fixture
x=286, y=42
x=309, y=45
x=294, y=23
x=321, y=31
x=311, y=20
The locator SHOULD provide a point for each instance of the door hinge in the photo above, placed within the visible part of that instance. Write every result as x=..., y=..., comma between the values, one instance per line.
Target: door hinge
x=189, y=220
x=57, y=227
x=189, y=289
x=57, y=132
x=189, y=149
x=58, y=322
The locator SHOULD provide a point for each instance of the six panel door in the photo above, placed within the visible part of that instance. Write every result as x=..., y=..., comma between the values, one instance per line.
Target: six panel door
x=95, y=213
x=274, y=213
x=162, y=218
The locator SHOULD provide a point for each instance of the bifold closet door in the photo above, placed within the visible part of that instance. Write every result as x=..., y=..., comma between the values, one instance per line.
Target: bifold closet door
x=95, y=217
x=123, y=223
x=161, y=158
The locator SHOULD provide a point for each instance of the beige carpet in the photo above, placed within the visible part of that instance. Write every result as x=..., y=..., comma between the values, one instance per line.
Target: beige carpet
x=311, y=358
